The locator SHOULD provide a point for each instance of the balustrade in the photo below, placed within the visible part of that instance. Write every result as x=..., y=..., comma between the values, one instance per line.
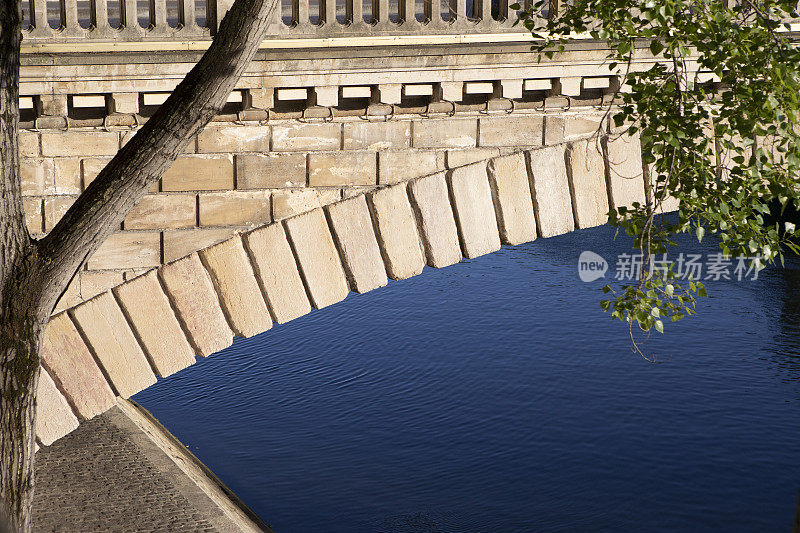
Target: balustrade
x=135, y=20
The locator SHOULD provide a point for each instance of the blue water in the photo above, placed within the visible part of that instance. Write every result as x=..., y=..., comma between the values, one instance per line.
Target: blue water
x=495, y=396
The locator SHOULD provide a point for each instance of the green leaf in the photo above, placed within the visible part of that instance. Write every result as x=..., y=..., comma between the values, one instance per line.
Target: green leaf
x=656, y=47
x=659, y=326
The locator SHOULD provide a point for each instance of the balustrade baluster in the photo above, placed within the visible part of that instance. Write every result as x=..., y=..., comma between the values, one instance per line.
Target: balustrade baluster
x=39, y=25
x=40, y=28
x=100, y=27
x=483, y=11
x=407, y=12
x=458, y=11
x=552, y=9
x=327, y=12
x=69, y=19
x=506, y=15
x=158, y=18
x=187, y=17
x=380, y=13
x=300, y=13
x=433, y=11
x=129, y=17
x=355, y=11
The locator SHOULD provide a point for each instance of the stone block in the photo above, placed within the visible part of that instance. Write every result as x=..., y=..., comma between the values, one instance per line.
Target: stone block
x=474, y=211
x=578, y=127
x=67, y=175
x=236, y=285
x=437, y=226
x=276, y=270
x=401, y=165
x=33, y=215
x=54, y=417
x=235, y=208
x=328, y=195
x=163, y=211
x=149, y=313
x=445, y=133
x=550, y=187
x=299, y=137
x=292, y=202
x=37, y=176
x=90, y=168
x=318, y=258
x=189, y=288
x=377, y=135
x=128, y=275
x=397, y=231
x=199, y=173
x=124, y=103
x=459, y=158
x=624, y=175
x=586, y=172
x=28, y=144
x=79, y=143
x=554, y=130
x=264, y=171
x=226, y=139
x=181, y=243
x=71, y=365
x=121, y=250
x=55, y=105
x=262, y=97
x=390, y=93
x=104, y=327
x=358, y=247
x=350, y=192
x=54, y=209
x=93, y=282
x=513, y=130
x=333, y=169
x=511, y=193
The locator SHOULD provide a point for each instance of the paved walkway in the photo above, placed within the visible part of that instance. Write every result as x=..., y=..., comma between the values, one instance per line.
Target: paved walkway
x=120, y=472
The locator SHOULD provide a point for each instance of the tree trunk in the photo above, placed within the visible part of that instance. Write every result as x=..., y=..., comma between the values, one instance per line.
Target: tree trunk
x=19, y=375
x=33, y=274
x=20, y=330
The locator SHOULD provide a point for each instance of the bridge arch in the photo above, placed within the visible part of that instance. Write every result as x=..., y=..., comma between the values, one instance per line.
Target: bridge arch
x=119, y=342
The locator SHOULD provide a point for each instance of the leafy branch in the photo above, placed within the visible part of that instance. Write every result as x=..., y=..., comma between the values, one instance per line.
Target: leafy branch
x=712, y=90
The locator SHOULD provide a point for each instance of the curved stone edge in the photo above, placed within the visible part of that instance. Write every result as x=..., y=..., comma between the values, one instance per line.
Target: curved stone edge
x=107, y=346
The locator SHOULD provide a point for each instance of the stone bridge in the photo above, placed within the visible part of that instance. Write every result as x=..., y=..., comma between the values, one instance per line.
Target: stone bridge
x=364, y=142
x=156, y=323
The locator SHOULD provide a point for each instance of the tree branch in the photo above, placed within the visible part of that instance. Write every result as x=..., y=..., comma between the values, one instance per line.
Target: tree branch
x=138, y=165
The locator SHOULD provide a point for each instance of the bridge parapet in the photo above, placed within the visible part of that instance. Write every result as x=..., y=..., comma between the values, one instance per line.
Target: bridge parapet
x=165, y=20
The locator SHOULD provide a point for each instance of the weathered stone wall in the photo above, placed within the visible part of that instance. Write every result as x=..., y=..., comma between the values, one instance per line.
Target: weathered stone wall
x=239, y=175
x=156, y=323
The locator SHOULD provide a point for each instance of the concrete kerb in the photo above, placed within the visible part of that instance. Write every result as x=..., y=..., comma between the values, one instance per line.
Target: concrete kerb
x=198, y=300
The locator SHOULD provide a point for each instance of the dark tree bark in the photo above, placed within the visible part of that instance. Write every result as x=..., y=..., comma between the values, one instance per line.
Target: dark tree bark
x=33, y=274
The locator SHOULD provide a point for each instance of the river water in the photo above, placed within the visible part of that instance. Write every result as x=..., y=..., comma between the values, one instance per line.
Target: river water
x=495, y=396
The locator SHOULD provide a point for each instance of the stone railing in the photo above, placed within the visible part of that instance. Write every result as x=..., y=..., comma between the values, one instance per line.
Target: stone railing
x=122, y=340
x=160, y=20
